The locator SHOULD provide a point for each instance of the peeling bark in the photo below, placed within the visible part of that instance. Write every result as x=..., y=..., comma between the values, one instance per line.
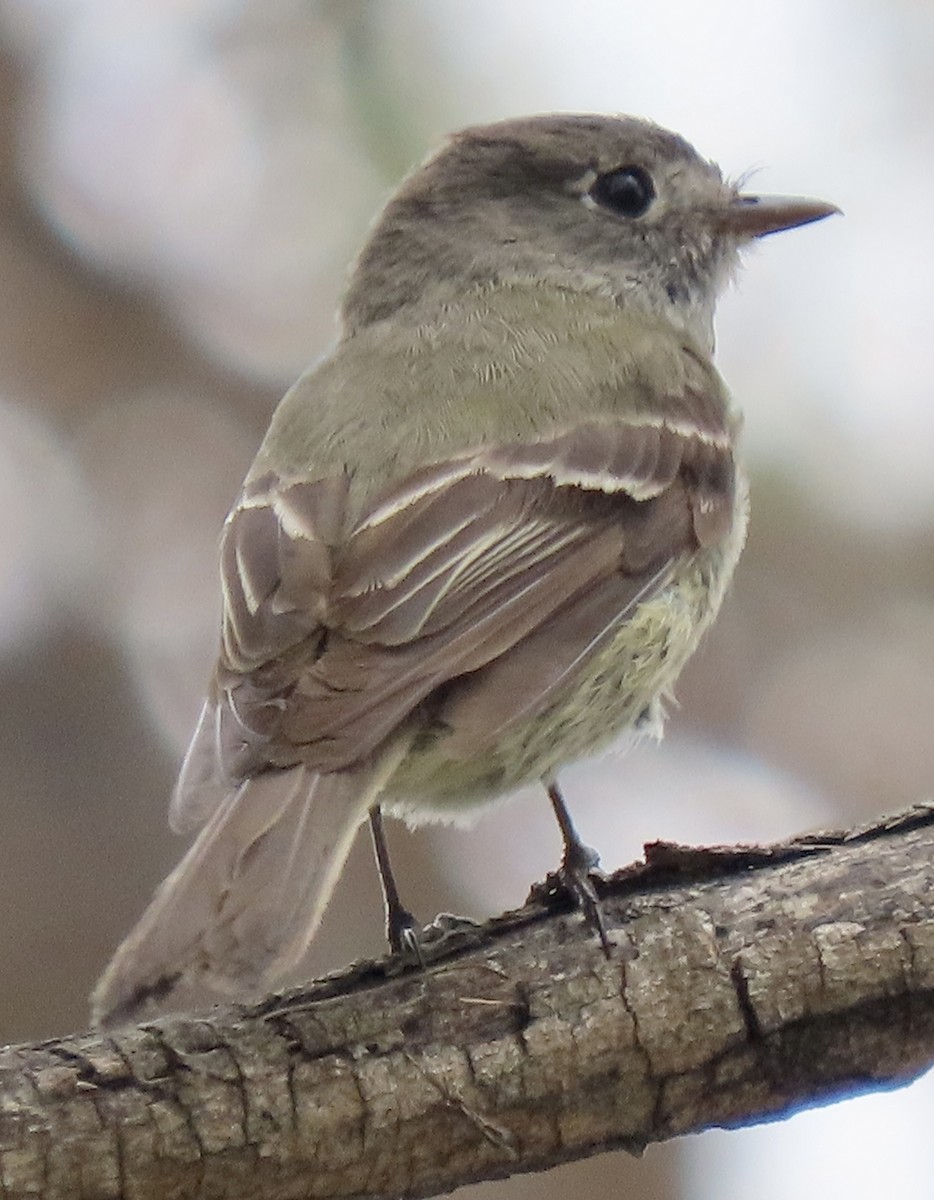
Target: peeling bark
x=743, y=982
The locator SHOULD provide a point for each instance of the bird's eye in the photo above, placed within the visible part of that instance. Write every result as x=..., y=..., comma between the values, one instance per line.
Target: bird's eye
x=628, y=191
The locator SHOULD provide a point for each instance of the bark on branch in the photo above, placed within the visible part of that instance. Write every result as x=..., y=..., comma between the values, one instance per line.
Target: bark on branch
x=742, y=983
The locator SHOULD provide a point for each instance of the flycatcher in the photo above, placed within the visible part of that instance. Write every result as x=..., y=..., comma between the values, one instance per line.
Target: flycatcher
x=479, y=540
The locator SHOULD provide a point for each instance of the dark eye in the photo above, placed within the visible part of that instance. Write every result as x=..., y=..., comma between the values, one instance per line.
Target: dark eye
x=628, y=191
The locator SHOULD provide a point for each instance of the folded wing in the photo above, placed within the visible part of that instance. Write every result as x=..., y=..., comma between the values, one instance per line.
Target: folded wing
x=331, y=640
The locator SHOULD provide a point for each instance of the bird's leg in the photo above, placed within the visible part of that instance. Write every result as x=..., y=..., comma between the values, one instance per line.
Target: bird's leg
x=401, y=926
x=577, y=865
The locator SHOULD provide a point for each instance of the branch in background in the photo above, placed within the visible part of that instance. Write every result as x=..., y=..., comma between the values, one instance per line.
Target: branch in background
x=764, y=980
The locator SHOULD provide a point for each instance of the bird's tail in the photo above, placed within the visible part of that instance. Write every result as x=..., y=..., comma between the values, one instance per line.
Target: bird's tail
x=244, y=902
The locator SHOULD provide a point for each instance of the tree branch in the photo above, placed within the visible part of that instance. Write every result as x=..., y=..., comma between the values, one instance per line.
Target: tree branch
x=743, y=982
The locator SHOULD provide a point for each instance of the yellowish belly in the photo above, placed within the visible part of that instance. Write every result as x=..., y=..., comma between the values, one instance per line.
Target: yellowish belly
x=621, y=688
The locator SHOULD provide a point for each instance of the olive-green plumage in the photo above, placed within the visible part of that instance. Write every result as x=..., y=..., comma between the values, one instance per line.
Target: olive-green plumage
x=520, y=361
x=479, y=540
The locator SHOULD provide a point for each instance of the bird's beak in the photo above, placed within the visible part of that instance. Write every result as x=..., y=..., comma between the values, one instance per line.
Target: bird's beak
x=754, y=216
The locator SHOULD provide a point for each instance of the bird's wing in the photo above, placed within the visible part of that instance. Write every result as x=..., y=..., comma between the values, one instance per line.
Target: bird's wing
x=465, y=562
x=326, y=650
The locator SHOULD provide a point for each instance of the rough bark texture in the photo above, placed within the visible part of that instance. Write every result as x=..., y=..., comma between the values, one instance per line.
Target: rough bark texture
x=742, y=983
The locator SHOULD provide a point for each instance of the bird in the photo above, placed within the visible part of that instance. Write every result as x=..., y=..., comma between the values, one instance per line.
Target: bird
x=480, y=539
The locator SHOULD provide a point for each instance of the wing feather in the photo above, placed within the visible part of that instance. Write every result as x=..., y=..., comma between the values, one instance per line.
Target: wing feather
x=336, y=628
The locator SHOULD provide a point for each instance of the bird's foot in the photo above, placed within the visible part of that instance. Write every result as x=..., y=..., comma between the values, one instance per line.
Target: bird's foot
x=578, y=872
x=402, y=932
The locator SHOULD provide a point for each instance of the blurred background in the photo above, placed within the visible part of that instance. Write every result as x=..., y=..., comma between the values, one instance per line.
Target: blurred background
x=182, y=185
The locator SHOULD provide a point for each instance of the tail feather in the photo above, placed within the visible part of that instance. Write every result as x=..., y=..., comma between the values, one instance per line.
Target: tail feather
x=244, y=902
